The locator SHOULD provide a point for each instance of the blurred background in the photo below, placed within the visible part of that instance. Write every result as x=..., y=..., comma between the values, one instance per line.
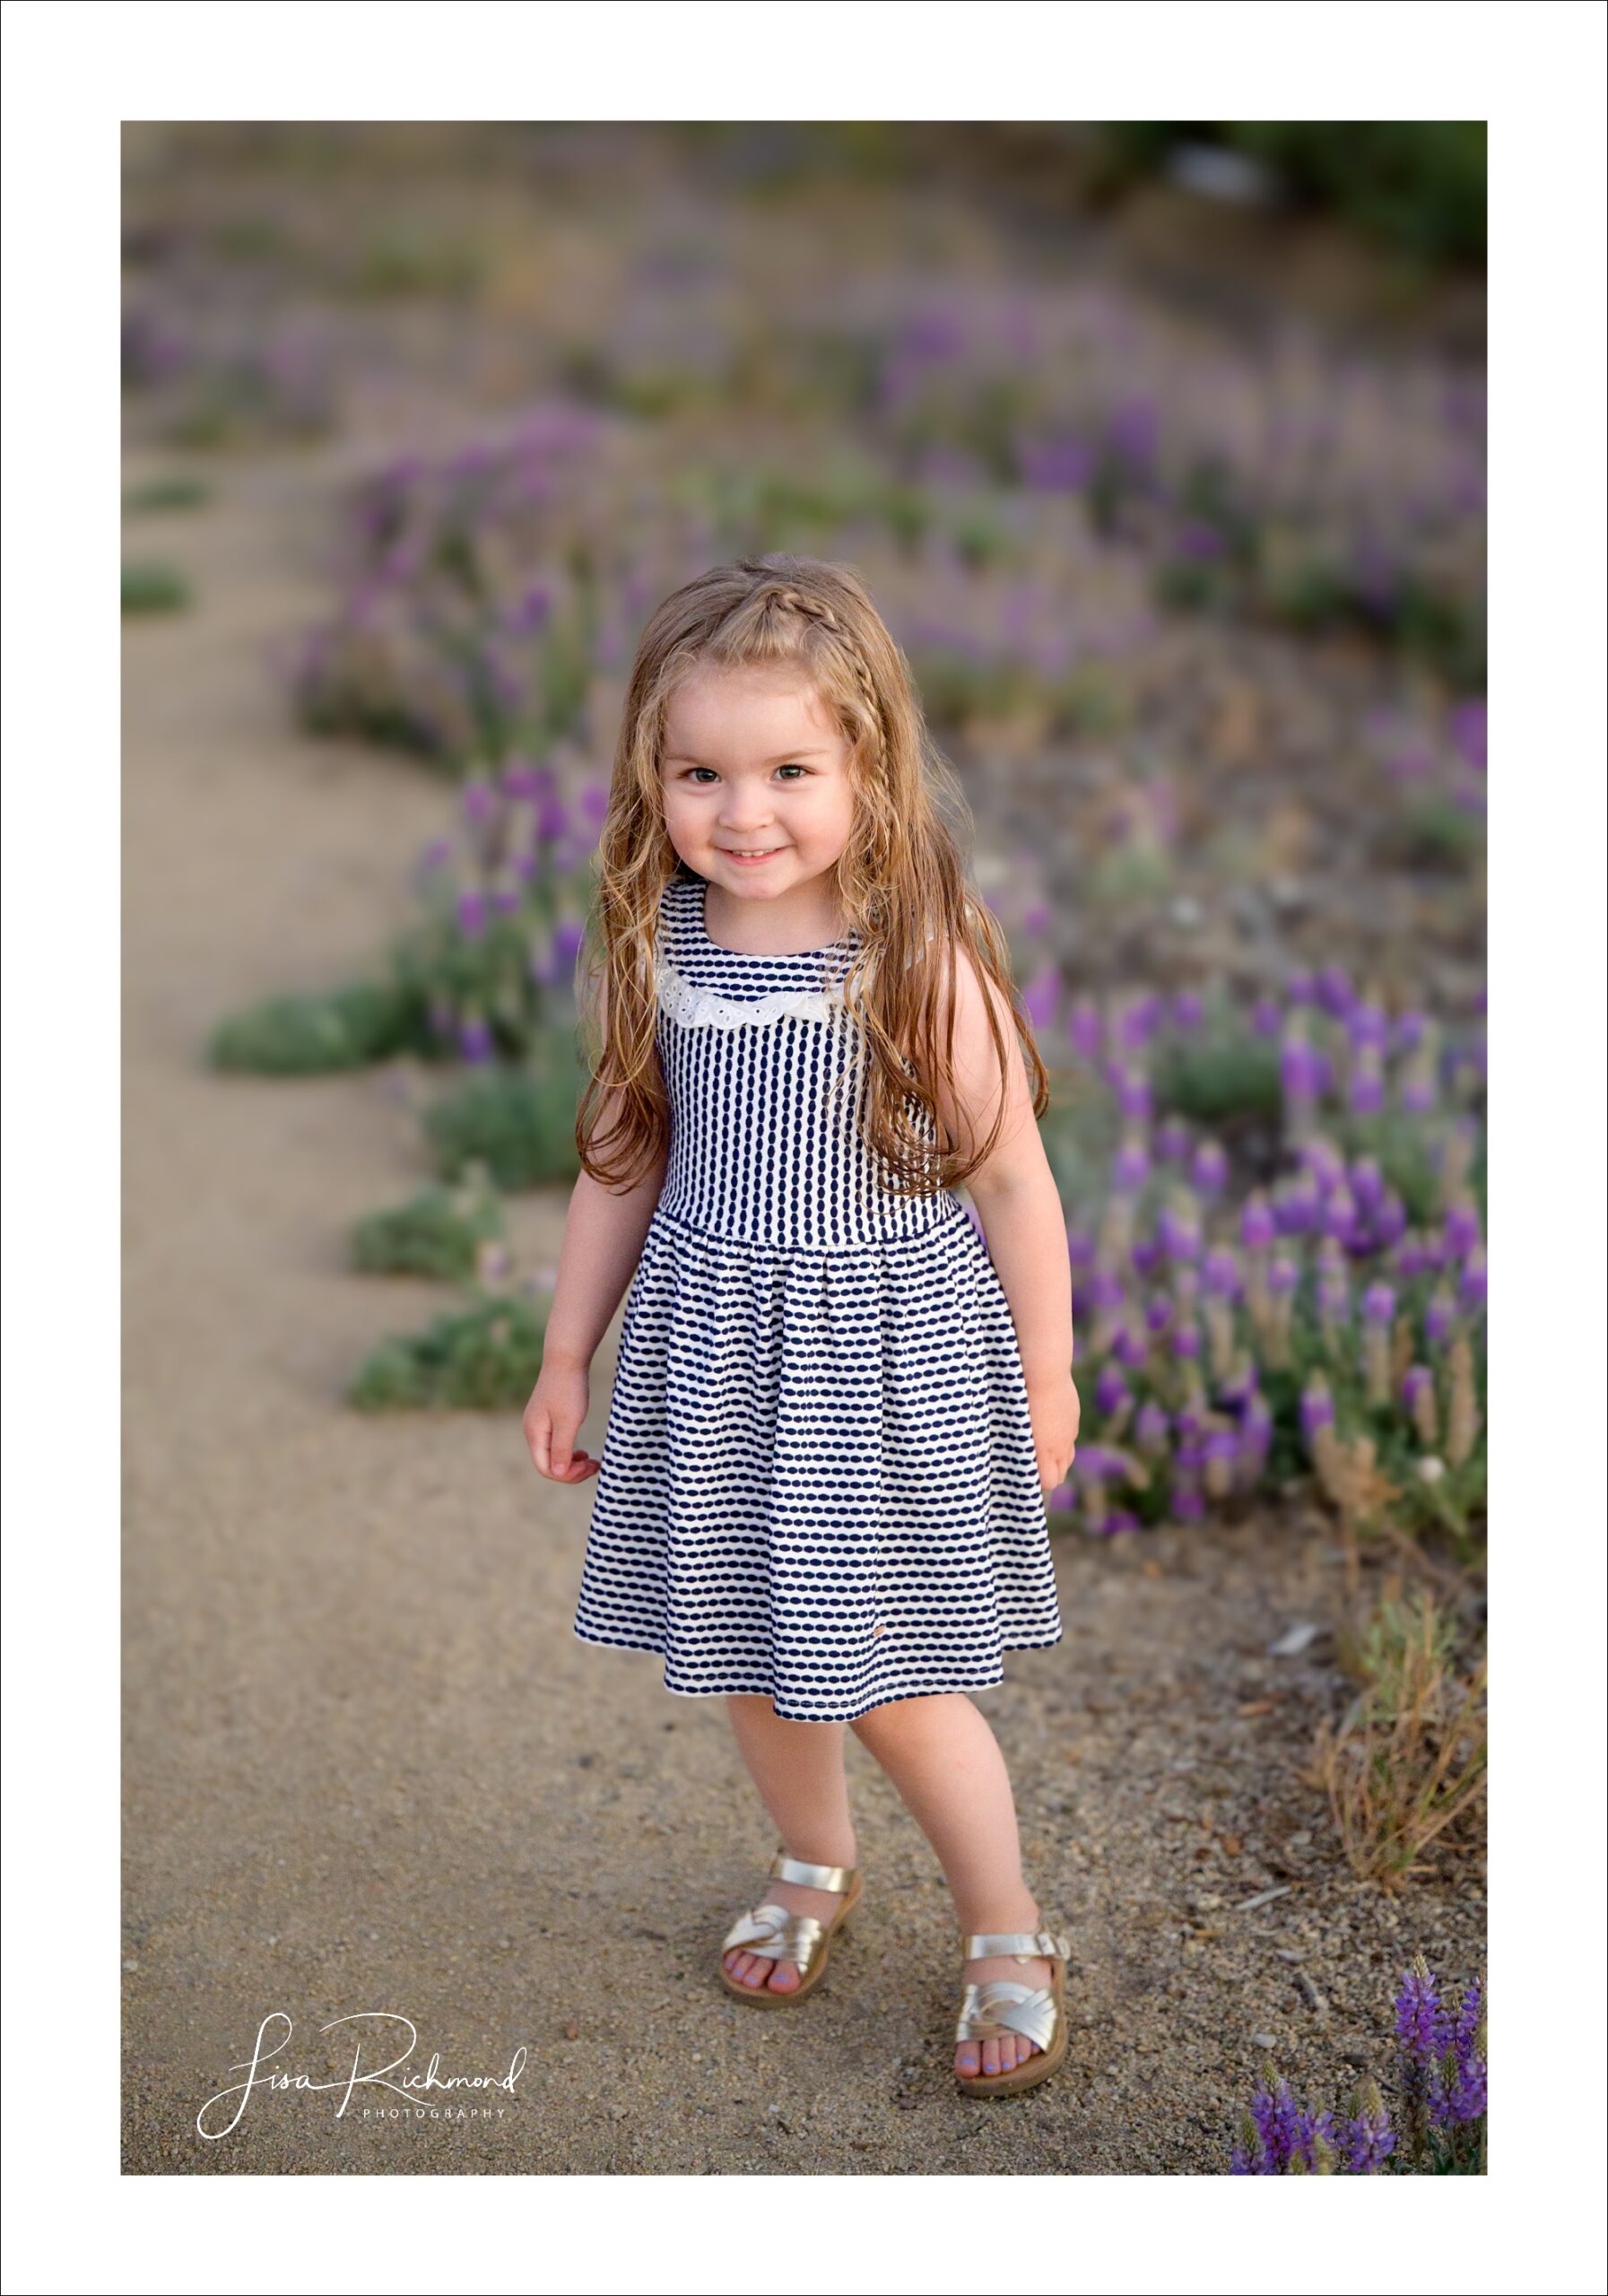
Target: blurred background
x=1161, y=447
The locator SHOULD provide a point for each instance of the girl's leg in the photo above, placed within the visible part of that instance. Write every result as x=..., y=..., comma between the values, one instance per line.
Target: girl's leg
x=797, y=1768
x=946, y=1764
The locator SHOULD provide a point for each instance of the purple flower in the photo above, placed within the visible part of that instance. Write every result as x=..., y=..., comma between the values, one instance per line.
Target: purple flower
x=1298, y=1070
x=1421, y=2025
x=1187, y=1011
x=1128, y=1348
x=1040, y=996
x=1158, y=1313
x=1220, y=1272
x=1086, y=1033
x=1266, y=1018
x=1367, y=2140
x=1368, y=1181
x=1145, y=1255
x=1299, y=989
x=1366, y=1024
x=1438, y=1318
x=1283, y=1275
x=521, y=780
x=1150, y=1428
x=1110, y=1389
x=1367, y=1094
x=1461, y=1229
x=475, y=1039
x=1257, y=1228
x=478, y=801
x=1209, y=1169
x=1134, y=1095
x=1335, y=992
x=471, y=914
x=1416, y=1380
x=1317, y=1407
x=1379, y=1304
x=1130, y=1166
x=1470, y=1289
x=1468, y=730
x=1410, y=1031
x=1172, y=1139
x=1080, y=1247
x=1186, y=1342
x=437, y=854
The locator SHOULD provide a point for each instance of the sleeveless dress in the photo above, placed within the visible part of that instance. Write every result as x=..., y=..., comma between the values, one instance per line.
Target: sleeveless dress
x=818, y=1480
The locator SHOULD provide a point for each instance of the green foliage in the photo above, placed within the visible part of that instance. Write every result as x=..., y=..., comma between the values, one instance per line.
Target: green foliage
x=482, y=1358
x=150, y=587
x=1218, y=1081
x=177, y=492
x=309, y=1036
x=1434, y=833
x=519, y=1123
x=436, y=1234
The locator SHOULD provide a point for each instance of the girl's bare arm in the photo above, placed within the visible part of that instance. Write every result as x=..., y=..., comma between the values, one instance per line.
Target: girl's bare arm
x=604, y=1234
x=1020, y=1207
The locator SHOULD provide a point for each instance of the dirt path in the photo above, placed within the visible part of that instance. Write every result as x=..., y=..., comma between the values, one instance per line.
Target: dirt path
x=368, y=1767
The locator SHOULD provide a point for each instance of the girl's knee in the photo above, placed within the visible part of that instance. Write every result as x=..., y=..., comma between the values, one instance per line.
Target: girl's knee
x=903, y=1716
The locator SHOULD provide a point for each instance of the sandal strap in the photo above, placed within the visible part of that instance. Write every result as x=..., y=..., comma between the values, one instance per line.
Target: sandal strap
x=1027, y=1945
x=784, y=1868
x=770, y=1930
x=1002, y=2006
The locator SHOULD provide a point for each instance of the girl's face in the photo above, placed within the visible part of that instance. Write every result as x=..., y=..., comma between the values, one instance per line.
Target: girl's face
x=755, y=775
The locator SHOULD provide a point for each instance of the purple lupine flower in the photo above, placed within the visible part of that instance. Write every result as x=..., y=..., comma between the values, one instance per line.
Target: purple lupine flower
x=1187, y=1010
x=528, y=613
x=1468, y=730
x=1080, y=1247
x=1120, y=1519
x=1134, y=1095
x=1367, y=1091
x=1186, y=1502
x=1471, y=1287
x=1221, y=1273
x=436, y=855
x=1257, y=1227
x=1085, y=1030
x=1157, y=1312
x=1298, y=1069
x=479, y=801
x=1461, y=1228
x=1340, y=1214
x=1439, y=1314
x=1318, y=1406
x=1278, y=2123
x=1367, y=2140
x=520, y=780
x=1172, y=1139
x=553, y=820
x=475, y=1038
x=1130, y=1167
x=1283, y=1274
x=1210, y=1168
x=1150, y=1428
x=1367, y=1182
x=1379, y=1304
x=1267, y=1017
x=1335, y=992
x=506, y=899
x=1366, y=1024
x=1129, y=1348
x=1110, y=1389
x=1145, y=1254
x=568, y=935
x=1178, y=1235
x=1106, y=1288
x=1299, y=988
x=471, y=914
x=1416, y=1380
x=1418, y=1093
x=1186, y=1342
x=1410, y=1031
x=1421, y=2025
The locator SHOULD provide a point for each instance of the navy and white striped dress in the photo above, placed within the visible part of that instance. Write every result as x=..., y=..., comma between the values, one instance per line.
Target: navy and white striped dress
x=818, y=1480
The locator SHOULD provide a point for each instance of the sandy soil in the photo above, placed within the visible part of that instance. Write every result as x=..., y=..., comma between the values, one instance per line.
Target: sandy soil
x=367, y=1767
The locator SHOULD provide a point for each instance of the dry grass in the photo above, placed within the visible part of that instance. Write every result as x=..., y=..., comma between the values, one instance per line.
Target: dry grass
x=1406, y=1764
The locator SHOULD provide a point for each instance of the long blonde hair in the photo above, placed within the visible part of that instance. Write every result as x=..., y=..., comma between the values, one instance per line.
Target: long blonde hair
x=900, y=877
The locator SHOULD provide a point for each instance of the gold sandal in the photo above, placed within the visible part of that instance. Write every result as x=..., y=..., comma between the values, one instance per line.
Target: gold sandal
x=1001, y=2005
x=801, y=1938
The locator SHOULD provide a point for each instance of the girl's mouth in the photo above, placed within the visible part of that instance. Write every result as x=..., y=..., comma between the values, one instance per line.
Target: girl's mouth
x=767, y=853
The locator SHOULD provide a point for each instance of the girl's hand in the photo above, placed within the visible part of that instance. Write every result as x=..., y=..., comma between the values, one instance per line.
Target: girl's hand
x=1054, y=1407
x=552, y=1418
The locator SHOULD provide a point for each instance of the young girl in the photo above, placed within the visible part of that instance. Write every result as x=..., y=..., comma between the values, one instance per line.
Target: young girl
x=835, y=1413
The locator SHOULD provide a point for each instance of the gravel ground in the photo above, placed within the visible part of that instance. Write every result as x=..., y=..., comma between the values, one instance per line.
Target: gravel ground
x=369, y=1770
